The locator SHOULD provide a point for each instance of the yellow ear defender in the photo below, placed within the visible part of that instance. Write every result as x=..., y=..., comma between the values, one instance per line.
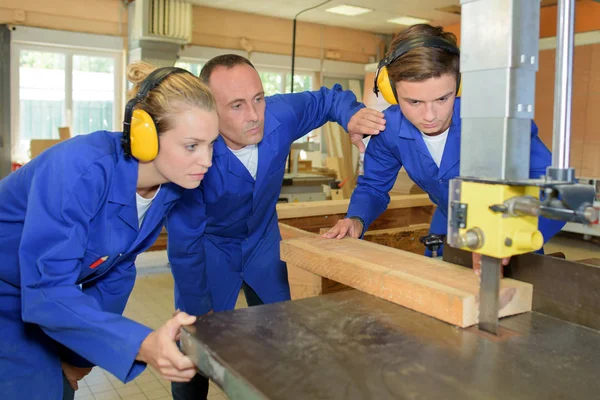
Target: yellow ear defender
x=140, y=136
x=384, y=85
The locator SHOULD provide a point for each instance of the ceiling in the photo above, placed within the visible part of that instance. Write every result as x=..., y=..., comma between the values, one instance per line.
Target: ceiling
x=374, y=21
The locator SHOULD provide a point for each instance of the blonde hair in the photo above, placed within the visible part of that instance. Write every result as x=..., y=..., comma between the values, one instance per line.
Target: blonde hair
x=422, y=63
x=174, y=94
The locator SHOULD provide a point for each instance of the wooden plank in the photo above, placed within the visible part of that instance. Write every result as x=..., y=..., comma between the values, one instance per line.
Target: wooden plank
x=405, y=185
x=564, y=289
x=161, y=242
x=290, y=232
x=304, y=165
x=305, y=284
x=391, y=218
x=38, y=146
x=405, y=238
x=302, y=283
x=335, y=164
x=329, y=207
x=591, y=261
x=435, y=288
x=336, y=145
x=64, y=132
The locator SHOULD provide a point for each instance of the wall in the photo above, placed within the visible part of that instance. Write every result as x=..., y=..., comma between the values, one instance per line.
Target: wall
x=587, y=18
x=226, y=29
x=105, y=17
x=212, y=28
x=585, y=132
x=585, y=136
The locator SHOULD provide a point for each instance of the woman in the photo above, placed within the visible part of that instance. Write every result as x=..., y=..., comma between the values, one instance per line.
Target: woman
x=72, y=222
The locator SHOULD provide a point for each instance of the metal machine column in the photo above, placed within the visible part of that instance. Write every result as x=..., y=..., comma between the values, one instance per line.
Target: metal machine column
x=561, y=135
x=499, y=60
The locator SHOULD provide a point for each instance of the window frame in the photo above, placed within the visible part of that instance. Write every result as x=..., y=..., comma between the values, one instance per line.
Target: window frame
x=69, y=52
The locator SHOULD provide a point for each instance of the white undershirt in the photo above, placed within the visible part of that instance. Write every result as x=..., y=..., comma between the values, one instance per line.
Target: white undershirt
x=249, y=157
x=143, y=204
x=435, y=145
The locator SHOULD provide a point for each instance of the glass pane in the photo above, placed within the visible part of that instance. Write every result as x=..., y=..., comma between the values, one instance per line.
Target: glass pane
x=271, y=82
x=192, y=67
x=93, y=94
x=41, y=94
x=302, y=83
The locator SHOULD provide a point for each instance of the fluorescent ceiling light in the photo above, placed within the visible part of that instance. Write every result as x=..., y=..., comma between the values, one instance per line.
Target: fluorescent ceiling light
x=348, y=10
x=408, y=21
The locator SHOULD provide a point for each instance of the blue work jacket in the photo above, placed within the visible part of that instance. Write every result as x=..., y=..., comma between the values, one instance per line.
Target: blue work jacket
x=402, y=145
x=226, y=231
x=60, y=215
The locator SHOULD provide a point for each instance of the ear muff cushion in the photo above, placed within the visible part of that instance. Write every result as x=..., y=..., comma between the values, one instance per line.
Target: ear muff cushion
x=385, y=87
x=144, y=137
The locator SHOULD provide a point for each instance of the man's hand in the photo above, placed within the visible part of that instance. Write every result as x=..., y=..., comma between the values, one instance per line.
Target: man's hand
x=366, y=121
x=160, y=351
x=477, y=264
x=74, y=374
x=345, y=227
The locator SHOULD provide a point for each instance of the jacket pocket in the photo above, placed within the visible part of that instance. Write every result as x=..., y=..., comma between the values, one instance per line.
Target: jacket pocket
x=94, y=266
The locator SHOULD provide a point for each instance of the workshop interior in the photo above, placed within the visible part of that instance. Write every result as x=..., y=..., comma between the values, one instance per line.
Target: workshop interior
x=374, y=317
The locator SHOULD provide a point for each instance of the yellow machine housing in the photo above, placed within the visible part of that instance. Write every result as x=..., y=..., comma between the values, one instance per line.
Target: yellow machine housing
x=502, y=235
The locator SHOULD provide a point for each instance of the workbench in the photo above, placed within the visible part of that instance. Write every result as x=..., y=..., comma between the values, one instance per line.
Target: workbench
x=351, y=345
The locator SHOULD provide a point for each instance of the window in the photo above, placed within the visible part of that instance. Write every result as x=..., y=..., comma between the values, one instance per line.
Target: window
x=273, y=82
x=41, y=94
x=302, y=83
x=194, y=68
x=60, y=87
x=93, y=94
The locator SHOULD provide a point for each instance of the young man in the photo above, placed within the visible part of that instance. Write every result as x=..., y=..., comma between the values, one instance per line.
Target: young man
x=422, y=134
x=225, y=233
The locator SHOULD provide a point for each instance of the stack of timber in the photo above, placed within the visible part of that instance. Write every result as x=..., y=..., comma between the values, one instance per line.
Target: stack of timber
x=403, y=211
x=305, y=284
x=436, y=288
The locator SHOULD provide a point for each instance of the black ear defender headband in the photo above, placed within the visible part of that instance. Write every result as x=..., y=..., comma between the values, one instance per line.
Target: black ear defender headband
x=384, y=84
x=140, y=135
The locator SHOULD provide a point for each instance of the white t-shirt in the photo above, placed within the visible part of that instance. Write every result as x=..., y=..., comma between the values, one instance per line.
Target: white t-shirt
x=143, y=204
x=435, y=145
x=249, y=157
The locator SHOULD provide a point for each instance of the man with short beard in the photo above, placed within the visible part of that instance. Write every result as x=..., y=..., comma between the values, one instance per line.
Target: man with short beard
x=225, y=233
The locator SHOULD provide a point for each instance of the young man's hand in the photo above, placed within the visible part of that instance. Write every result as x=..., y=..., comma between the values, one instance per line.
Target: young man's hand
x=366, y=121
x=345, y=227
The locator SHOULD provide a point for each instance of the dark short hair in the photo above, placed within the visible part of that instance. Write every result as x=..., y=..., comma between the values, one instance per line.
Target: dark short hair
x=422, y=63
x=225, y=60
